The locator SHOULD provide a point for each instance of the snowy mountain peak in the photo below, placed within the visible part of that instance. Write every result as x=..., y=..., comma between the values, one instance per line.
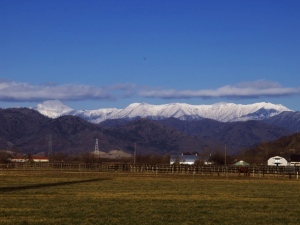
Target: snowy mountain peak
x=224, y=112
x=53, y=108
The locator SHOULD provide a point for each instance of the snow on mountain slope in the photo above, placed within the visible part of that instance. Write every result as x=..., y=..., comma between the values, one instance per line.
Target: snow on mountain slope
x=144, y=110
x=227, y=112
x=56, y=108
x=53, y=109
x=96, y=116
x=224, y=112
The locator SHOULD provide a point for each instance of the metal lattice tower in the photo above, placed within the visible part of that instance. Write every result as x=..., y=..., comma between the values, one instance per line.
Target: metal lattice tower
x=97, y=149
x=50, y=147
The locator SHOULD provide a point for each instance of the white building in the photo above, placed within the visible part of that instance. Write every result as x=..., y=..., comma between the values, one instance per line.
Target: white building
x=37, y=158
x=184, y=159
x=24, y=158
x=277, y=161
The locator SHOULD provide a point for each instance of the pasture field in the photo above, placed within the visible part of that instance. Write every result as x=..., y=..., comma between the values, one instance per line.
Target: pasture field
x=60, y=197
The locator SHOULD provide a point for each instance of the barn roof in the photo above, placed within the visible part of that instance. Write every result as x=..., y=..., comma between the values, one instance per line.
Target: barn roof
x=38, y=157
x=241, y=163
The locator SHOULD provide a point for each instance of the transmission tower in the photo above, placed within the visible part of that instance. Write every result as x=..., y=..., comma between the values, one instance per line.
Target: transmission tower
x=97, y=153
x=50, y=148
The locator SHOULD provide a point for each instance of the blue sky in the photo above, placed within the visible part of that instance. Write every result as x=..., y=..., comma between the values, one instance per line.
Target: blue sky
x=101, y=54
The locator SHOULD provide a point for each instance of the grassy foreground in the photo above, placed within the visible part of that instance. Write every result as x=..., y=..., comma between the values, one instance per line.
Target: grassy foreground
x=120, y=198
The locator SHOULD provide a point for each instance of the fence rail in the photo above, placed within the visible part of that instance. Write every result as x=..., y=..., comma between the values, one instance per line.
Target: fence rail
x=253, y=171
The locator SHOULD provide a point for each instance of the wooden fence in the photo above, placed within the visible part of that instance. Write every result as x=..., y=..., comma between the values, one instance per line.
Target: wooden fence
x=291, y=172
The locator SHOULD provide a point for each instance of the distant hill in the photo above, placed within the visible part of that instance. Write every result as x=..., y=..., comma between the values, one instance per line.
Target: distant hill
x=235, y=135
x=28, y=131
x=153, y=137
x=284, y=147
x=17, y=124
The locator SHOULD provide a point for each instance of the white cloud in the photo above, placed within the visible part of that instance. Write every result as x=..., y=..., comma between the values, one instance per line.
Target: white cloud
x=256, y=89
x=16, y=91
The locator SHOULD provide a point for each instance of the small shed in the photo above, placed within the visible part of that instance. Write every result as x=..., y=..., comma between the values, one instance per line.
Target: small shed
x=184, y=159
x=277, y=161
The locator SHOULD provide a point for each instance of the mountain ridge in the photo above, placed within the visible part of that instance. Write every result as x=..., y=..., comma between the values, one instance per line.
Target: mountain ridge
x=28, y=131
x=223, y=112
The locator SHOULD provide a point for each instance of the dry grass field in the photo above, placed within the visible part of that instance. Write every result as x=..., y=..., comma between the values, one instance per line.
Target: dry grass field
x=58, y=197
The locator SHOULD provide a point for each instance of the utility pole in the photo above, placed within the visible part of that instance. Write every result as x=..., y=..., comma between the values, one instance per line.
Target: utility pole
x=134, y=154
x=225, y=155
x=97, y=149
x=50, y=154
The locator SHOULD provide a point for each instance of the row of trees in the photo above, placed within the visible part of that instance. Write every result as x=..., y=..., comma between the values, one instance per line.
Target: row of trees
x=87, y=157
x=258, y=155
x=92, y=158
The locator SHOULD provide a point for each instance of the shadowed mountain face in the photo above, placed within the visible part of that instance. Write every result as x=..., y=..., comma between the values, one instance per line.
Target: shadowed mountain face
x=235, y=135
x=16, y=124
x=153, y=137
x=286, y=120
x=28, y=131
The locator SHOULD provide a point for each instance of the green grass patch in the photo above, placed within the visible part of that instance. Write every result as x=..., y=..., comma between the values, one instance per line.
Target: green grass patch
x=133, y=198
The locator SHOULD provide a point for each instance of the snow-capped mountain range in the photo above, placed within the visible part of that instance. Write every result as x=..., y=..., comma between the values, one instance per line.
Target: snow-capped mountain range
x=223, y=112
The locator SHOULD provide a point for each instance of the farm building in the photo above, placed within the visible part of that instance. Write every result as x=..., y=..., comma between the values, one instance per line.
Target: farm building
x=295, y=160
x=37, y=158
x=277, y=161
x=26, y=158
x=184, y=159
x=241, y=163
x=19, y=158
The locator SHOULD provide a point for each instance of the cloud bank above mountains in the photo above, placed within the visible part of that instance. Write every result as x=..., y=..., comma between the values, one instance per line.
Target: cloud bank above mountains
x=17, y=91
x=254, y=89
x=12, y=91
